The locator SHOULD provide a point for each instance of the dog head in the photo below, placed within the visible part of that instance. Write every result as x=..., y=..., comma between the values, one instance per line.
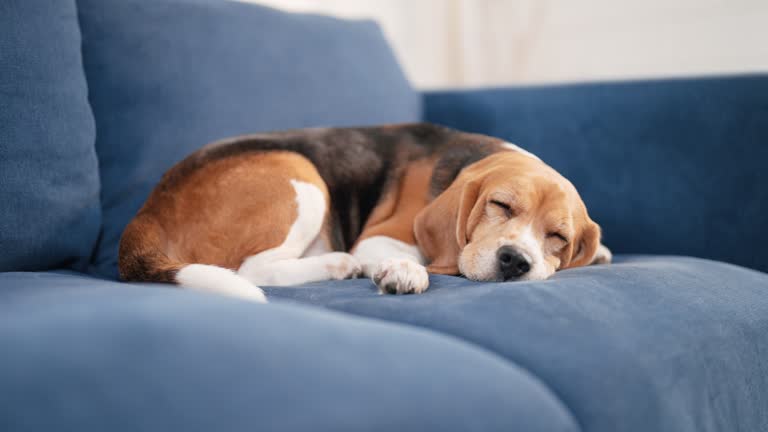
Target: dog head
x=508, y=216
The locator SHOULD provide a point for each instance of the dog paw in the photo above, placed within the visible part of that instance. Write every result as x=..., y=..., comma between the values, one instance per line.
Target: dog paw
x=401, y=276
x=343, y=266
x=602, y=256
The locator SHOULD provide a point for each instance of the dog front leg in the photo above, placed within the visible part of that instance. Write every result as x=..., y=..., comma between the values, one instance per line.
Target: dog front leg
x=396, y=267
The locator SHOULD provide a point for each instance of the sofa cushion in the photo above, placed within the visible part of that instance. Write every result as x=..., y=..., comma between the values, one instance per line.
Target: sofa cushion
x=648, y=344
x=168, y=76
x=49, y=184
x=91, y=355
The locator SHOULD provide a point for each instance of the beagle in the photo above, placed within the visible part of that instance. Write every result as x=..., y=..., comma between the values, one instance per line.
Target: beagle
x=291, y=207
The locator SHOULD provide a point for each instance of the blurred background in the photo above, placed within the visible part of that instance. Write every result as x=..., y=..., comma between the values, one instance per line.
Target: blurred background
x=473, y=43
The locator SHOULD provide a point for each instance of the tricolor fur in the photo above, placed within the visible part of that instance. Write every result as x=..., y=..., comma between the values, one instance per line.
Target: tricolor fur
x=292, y=207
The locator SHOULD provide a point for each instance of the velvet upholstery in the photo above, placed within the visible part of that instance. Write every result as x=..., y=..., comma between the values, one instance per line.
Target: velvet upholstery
x=649, y=343
x=49, y=183
x=85, y=354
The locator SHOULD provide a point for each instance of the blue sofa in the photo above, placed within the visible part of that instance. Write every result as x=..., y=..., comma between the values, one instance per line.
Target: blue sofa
x=99, y=97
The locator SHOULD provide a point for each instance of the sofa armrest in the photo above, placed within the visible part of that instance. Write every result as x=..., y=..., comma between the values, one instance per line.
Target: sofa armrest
x=666, y=166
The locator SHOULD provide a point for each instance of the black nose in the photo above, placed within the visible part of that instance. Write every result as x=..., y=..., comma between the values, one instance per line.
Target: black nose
x=512, y=263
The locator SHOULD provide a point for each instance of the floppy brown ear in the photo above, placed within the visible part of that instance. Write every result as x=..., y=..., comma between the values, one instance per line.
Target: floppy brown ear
x=585, y=249
x=441, y=229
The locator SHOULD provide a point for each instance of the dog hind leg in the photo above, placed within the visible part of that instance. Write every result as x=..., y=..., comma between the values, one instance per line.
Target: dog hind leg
x=304, y=256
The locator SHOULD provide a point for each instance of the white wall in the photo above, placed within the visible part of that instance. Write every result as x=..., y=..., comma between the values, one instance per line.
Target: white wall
x=495, y=42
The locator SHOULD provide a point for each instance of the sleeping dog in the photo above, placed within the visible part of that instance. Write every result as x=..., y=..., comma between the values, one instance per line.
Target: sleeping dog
x=291, y=207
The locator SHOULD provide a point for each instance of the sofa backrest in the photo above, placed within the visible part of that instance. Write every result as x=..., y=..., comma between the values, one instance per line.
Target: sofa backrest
x=665, y=166
x=49, y=184
x=166, y=77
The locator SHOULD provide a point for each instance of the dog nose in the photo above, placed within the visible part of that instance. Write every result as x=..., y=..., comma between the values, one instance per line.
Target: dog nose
x=512, y=263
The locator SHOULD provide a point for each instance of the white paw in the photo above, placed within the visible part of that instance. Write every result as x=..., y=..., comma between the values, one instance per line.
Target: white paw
x=400, y=276
x=603, y=256
x=343, y=266
x=254, y=294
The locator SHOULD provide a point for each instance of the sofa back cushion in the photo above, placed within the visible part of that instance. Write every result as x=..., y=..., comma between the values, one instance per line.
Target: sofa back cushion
x=49, y=184
x=674, y=166
x=168, y=76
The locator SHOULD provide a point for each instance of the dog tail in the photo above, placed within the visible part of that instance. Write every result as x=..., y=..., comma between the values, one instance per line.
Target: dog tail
x=141, y=259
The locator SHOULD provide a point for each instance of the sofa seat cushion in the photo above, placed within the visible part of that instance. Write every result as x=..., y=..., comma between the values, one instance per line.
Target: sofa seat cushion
x=84, y=354
x=49, y=182
x=651, y=343
x=168, y=76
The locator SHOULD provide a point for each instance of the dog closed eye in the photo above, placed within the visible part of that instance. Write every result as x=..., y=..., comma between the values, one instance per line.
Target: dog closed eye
x=558, y=236
x=503, y=206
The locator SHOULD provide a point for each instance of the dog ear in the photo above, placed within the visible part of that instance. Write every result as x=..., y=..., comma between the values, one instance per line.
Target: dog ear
x=583, y=251
x=443, y=227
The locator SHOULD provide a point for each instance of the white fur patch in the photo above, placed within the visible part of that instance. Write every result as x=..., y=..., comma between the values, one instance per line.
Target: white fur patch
x=218, y=280
x=395, y=266
x=303, y=256
x=310, y=201
x=373, y=250
x=602, y=256
x=318, y=247
x=481, y=265
x=532, y=250
x=296, y=271
x=400, y=276
x=514, y=147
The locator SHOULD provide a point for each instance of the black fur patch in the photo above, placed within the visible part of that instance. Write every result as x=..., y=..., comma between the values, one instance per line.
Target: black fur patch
x=358, y=164
x=453, y=161
x=146, y=268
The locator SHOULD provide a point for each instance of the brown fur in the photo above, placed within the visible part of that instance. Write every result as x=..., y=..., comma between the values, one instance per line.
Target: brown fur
x=218, y=214
x=461, y=214
x=426, y=185
x=394, y=216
